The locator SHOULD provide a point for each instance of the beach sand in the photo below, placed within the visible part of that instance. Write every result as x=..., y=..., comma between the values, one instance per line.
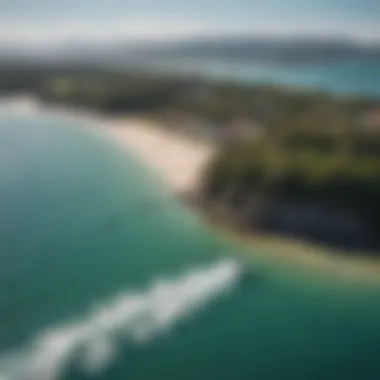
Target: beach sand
x=176, y=159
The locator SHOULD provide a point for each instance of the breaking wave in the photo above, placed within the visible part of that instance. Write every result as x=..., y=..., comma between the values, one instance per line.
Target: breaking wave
x=136, y=317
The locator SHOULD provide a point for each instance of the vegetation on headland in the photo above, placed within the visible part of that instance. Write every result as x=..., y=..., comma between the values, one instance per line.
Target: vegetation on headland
x=319, y=185
x=313, y=171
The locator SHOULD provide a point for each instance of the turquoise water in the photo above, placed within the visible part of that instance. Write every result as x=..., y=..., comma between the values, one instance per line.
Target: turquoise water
x=103, y=275
x=343, y=77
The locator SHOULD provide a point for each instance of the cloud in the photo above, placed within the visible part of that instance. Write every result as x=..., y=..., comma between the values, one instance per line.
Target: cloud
x=29, y=33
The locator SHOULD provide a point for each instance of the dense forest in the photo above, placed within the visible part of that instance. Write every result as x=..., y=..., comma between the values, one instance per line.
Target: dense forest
x=320, y=184
x=313, y=172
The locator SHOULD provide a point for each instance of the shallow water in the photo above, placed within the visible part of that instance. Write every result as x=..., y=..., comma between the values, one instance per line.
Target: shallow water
x=104, y=275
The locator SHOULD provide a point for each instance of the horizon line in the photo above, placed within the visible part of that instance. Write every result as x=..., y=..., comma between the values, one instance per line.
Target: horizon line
x=156, y=30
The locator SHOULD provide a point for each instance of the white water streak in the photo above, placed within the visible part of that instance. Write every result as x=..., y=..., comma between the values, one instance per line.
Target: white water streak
x=137, y=317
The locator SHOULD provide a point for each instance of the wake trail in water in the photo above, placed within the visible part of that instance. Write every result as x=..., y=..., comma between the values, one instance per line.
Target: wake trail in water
x=135, y=317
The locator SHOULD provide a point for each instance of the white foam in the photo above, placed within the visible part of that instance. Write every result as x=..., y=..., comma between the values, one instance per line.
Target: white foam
x=137, y=317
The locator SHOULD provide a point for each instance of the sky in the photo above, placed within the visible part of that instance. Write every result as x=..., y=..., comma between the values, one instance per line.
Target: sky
x=48, y=22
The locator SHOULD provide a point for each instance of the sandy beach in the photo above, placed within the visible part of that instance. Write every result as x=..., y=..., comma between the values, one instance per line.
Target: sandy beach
x=176, y=159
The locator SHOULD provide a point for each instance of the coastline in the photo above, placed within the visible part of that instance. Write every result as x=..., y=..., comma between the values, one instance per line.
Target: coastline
x=178, y=161
x=294, y=253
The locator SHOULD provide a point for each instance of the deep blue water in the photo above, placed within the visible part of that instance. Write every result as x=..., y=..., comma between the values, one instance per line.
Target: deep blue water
x=103, y=275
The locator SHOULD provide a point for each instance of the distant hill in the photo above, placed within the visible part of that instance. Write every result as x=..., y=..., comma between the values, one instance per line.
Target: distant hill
x=266, y=50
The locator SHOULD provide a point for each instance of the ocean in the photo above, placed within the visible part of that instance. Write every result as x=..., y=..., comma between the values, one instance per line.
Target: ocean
x=105, y=275
x=345, y=77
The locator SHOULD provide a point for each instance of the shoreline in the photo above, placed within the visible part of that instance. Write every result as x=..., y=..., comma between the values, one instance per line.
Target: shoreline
x=141, y=138
x=300, y=254
x=177, y=160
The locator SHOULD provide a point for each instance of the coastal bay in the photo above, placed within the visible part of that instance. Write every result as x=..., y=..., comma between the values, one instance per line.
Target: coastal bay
x=102, y=226
x=177, y=162
x=190, y=190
